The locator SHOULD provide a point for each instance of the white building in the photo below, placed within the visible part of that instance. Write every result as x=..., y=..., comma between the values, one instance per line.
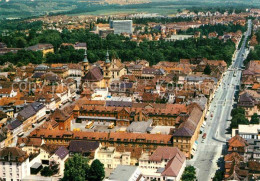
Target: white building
x=111, y=158
x=178, y=37
x=247, y=131
x=166, y=163
x=75, y=70
x=14, y=164
x=59, y=157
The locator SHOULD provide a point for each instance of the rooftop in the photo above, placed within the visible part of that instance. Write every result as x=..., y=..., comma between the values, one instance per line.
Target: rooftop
x=122, y=173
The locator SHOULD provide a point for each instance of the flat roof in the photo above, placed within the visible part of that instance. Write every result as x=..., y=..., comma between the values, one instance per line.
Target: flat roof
x=36, y=165
x=123, y=172
x=249, y=129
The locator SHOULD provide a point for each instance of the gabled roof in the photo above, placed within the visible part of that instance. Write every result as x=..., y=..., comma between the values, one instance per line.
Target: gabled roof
x=13, y=154
x=164, y=152
x=237, y=141
x=81, y=146
x=188, y=127
x=51, y=149
x=174, y=166
x=233, y=156
x=246, y=100
x=36, y=142
x=60, y=115
x=62, y=152
x=94, y=75
x=15, y=124
x=29, y=111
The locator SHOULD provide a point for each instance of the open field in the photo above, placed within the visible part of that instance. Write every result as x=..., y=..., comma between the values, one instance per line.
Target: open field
x=22, y=9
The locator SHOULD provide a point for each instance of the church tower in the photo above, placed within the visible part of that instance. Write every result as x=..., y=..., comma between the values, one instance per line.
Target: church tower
x=107, y=70
x=85, y=63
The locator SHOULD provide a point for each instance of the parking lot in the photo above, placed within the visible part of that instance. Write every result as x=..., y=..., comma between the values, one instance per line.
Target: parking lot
x=97, y=127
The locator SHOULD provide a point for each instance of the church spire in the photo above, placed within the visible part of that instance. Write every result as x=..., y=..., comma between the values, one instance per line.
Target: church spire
x=107, y=58
x=85, y=56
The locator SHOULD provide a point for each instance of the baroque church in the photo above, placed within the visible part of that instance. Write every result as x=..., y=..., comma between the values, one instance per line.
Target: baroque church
x=101, y=73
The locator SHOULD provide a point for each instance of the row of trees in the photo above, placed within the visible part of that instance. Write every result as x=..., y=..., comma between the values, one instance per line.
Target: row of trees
x=254, y=54
x=219, y=28
x=77, y=168
x=160, y=20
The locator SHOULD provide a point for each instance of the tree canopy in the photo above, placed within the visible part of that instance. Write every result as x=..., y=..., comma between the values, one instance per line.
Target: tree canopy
x=254, y=119
x=189, y=174
x=119, y=46
x=96, y=171
x=238, y=119
x=237, y=111
x=207, y=70
x=76, y=169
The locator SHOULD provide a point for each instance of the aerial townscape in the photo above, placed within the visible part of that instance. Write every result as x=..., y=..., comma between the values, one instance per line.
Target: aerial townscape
x=129, y=90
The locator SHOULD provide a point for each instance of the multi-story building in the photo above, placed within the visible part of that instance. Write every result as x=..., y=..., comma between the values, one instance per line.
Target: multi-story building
x=165, y=163
x=122, y=26
x=162, y=114
x=14, y=164
x=188, y=132
x=251, y=131
x=146, y=142
x=31, y=114
x=111, y=158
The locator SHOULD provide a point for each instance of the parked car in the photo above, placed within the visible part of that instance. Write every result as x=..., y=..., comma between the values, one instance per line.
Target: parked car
x=204, y=135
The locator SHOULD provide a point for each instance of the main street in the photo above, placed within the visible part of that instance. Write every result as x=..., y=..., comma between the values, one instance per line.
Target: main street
x=208, y=153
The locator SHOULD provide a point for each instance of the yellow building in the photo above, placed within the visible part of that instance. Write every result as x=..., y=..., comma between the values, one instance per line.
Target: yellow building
x=188, y=132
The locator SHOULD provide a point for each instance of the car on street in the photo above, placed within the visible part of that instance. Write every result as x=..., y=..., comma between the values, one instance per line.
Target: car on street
x=204, y=135
x=20, y=134
x=202, y=141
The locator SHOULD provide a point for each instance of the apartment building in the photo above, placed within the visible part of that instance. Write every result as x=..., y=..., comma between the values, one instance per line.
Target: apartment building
x=14, y=164
x=111, y=158
x=165, y=163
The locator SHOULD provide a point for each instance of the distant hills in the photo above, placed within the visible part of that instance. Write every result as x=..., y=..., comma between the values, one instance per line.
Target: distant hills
x=28, y=8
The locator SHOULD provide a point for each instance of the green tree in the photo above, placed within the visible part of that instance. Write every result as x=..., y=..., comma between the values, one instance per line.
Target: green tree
x=238, y=119
x=254, y=119
x=189, y=174
x=219, y=175
x=46, y=172
x=207, y=70
x=236, y=111
x=76, y=169
x=96, y=171
x=20, y=42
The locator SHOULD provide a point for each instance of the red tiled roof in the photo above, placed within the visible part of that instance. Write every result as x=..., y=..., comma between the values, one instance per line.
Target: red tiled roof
x=237, y=141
